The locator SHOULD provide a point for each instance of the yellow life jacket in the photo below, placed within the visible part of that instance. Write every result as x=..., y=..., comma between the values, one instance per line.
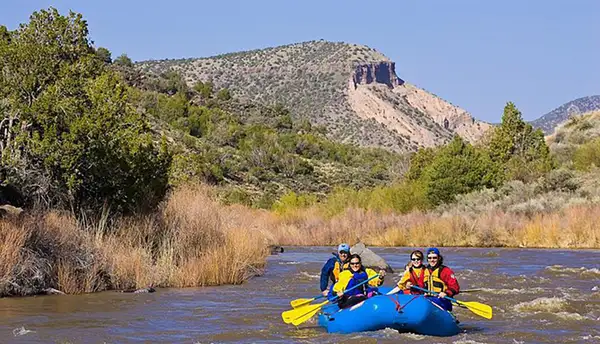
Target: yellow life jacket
x=337, y=269
x=433, y=281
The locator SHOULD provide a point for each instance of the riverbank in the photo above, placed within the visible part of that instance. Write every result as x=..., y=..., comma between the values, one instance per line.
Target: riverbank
x=189, y=241
x=193, y=240
x=573, y=227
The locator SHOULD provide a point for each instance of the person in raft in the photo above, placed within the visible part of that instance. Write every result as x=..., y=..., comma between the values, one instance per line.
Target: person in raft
x=333, y=267
x=353, y=276
x=440, y=278
x=413, y=275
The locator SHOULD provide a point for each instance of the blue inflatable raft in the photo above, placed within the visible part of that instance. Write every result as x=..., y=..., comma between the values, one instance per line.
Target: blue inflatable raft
x=405, y=313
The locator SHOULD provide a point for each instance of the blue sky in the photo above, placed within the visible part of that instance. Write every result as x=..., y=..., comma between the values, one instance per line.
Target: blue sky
x=477, y=54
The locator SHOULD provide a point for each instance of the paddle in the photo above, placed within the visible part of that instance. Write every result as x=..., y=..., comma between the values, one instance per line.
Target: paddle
x=301, y=302
x=480, y=309
x=299, y=315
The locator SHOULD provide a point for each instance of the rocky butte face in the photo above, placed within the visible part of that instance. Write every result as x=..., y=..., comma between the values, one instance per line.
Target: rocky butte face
x=352, y=90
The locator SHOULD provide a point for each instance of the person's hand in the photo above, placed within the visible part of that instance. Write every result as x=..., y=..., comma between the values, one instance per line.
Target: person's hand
x=340, y=293
x=325, y=292
x=408, y=285
x=381, y=273
x=442, y=295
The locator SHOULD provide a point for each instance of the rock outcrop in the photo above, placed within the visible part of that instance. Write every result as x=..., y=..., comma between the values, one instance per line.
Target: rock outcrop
x=382, y=73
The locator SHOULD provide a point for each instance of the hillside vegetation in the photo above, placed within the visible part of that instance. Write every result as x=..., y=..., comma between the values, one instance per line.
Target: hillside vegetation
x=351, y=90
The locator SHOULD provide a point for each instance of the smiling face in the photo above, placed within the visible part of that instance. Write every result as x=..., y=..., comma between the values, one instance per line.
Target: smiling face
x=355, y=264
x=344, y=255
x=416, y=260
x=432, y=259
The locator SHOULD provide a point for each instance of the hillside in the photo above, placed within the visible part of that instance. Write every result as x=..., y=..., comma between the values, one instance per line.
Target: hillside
x=350, y=89
x=574, y=138
x=554, y=118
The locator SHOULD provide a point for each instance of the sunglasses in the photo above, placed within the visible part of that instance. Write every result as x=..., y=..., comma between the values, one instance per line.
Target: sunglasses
x=354, y=263
x=344, y=252
x=432, y=258
x=416, y=259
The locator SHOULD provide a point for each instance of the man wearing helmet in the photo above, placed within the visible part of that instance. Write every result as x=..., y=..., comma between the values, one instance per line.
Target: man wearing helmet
x=332, y=268
x=440, y=278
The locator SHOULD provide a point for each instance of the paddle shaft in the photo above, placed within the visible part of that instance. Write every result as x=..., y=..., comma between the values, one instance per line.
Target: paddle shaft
x=478, y=308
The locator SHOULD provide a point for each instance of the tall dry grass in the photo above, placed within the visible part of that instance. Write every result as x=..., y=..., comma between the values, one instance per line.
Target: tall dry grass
x=573, y=227
x=190, y=241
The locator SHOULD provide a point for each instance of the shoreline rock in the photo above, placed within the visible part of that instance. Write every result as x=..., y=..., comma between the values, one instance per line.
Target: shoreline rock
x=370, y=259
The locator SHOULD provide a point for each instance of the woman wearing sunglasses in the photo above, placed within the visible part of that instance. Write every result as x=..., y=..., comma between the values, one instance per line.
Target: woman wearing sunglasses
x=440, y=278
x=414, y=275
x=354, y=275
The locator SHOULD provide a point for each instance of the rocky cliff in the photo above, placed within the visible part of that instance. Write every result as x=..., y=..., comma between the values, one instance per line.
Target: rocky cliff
x=381, y=72
x=351, y=90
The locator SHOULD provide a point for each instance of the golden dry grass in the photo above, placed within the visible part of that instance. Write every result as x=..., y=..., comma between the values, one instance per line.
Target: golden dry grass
x=186, y=243
x=570, y=228
x=192, y=240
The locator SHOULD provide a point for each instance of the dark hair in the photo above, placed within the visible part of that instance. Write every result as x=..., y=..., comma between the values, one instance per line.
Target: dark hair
x=355, y=256
x=359, y=259
x=417, y=253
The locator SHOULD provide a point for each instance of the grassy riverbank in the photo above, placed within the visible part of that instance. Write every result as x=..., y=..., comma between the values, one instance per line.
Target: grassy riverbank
x=190, y=241
x=574, y=227
x=193, y=240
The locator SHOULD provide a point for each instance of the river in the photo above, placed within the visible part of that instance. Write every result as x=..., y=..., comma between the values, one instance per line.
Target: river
x=538, y=296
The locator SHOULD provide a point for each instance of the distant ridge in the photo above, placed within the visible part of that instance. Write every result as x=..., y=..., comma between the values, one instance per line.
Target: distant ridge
x=554, y=118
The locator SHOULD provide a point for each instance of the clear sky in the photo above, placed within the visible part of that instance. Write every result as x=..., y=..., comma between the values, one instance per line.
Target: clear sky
x=477, y=54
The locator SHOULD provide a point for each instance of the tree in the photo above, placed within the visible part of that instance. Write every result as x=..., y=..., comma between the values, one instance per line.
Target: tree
x=521, y=151
x=80, y=143
x=458, y=168
x=419, y=161
x=123, y=60
x=104, y=55
x=205, y=89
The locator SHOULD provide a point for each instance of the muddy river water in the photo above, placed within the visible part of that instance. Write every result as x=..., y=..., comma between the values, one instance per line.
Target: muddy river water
x=538, y=296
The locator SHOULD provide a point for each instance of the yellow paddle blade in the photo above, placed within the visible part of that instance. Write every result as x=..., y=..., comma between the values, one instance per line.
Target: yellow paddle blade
x=480, y=309
x=301, y=302
x=301, y=314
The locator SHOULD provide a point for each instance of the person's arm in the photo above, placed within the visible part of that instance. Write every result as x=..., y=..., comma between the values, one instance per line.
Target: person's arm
x=452, y=287
x=375, y=282
x=405, y=278
x=325, y=272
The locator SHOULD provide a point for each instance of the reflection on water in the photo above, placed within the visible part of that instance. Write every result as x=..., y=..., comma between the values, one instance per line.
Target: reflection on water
x=538, y=296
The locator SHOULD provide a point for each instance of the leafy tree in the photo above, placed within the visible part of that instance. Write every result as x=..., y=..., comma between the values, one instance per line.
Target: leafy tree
x=521, y=150
x=458, y=168
x=104, y=55
x=81, y=144
x=123, y=60
x=205, y=89
x=419, y=161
